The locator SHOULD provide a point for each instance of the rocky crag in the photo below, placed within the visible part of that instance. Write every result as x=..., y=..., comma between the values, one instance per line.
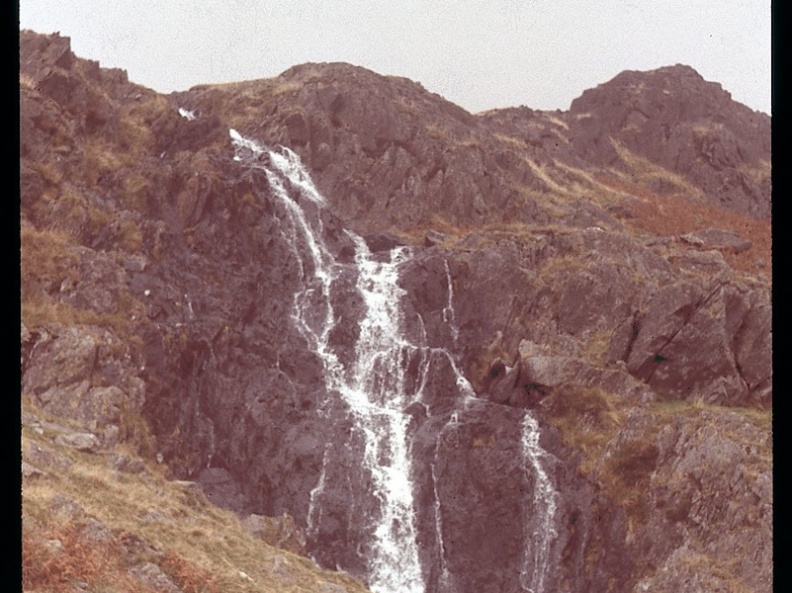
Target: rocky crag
x=584, y=317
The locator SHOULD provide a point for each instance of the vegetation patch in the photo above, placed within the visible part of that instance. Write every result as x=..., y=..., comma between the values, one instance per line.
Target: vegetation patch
x=626, y=474
x=715, y=574
x=645, y=171
x=136, y=189
x=668, y=411
x=58, y=557
x=42, y=312
x=590, y=420
x=136, y=120
x=596, y=346
x=678, y=214
x=199, y=547
x=101, y=162
x=587, y=417
x=46, y=261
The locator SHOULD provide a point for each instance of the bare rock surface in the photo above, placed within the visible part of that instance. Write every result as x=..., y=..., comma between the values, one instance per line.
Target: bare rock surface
x=152, y=575
x=717, y=239
x=281, y=532
x=674, y=118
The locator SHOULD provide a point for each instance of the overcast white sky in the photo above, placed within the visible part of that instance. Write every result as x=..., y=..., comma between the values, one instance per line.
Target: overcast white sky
x=480, y=54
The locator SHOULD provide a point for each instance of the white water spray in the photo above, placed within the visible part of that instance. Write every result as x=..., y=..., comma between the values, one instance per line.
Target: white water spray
x=448, y=310
x=374, y=385
x=376, y=396
x=314, y=509
x=540, y=538
x=186, y=114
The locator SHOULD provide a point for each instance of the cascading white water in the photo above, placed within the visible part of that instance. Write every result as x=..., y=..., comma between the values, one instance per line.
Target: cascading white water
x=374, y=386
x=448, y=310
x=376, y=395
x=541, y=536
x=314, y=510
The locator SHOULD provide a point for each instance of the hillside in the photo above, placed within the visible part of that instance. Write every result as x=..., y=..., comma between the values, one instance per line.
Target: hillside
x=579, y=306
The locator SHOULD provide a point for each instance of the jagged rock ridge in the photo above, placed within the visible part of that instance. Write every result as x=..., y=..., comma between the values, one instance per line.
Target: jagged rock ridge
x=158, y=283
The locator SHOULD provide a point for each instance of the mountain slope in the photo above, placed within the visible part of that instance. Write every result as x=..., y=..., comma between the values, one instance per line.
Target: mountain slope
x=603, y=270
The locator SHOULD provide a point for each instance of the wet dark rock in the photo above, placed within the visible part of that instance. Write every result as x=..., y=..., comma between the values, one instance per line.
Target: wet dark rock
x=221, y=488
x=382, y=241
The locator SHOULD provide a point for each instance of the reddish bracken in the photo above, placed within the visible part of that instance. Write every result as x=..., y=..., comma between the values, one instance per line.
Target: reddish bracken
x=675, y=215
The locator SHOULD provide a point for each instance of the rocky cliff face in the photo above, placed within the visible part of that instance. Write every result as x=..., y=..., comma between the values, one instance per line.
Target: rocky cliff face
x=584, y=320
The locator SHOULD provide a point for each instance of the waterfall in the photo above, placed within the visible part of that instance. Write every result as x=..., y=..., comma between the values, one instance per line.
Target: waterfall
x=376, y=395
x=373, y=385
x=448, y=311
x=540, y=519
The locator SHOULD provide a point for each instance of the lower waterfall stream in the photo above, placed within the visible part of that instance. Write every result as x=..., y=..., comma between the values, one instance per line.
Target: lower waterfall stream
x=376, y=385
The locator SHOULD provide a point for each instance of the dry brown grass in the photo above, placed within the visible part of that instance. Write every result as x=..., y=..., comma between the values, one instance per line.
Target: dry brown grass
x=79, y=215
x=287, y=88
x=416, y=234
x=45, y=261
x=590, y=421
x=625, y=474
x=129, y=236
x=645, y=171
x=26, y=81
x=135, y=191
x=677, y=215
x=564, y=264
x=406, y=105
x=555, y=120
x=36, y=312
x=187, y=576
x=203, y=549
x=437, y=132
x=51, y=174
x=511, y=141
x=81, y=559
x=135, y=121
x=759, y=173
x=716, y=574
x=588, y=418
x=102, y=160
x=696, y=410
x=596, y=346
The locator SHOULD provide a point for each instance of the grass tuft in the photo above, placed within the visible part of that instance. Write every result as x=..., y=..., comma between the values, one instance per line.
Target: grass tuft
x=588, y=419
x=46, y=261
x=201, y=548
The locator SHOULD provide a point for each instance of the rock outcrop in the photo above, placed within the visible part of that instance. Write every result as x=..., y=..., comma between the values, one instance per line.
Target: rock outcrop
x=690, y=127
x=601, y=270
